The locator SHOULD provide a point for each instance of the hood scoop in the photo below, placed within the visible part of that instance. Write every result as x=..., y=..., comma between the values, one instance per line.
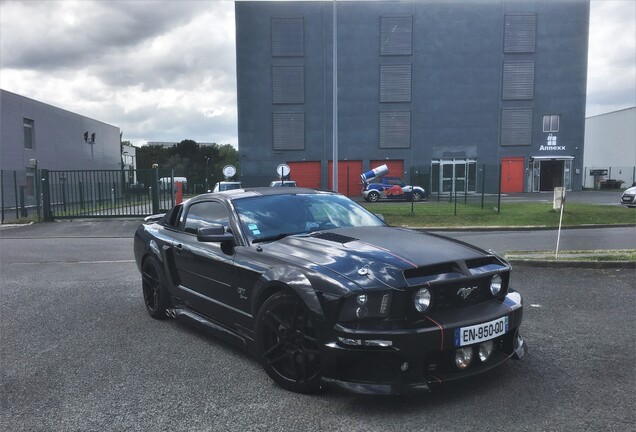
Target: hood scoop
x=333, y=237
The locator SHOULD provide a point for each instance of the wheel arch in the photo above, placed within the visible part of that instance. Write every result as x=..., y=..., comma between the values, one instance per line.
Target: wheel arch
x=286, y=280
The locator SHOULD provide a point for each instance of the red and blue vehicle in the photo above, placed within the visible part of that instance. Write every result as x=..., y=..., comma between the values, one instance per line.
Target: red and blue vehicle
x=392, y=188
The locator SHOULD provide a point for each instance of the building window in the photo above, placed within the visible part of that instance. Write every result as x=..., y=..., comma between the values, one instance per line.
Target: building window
x=28, y=133
x=396, y=34
x=551, y=123
x=395, y=129
x=395, y=83
x=289, y=131
x=520, y=33
x=516, y=127
x=518, y=80
x=288, y=84
x=288, y=37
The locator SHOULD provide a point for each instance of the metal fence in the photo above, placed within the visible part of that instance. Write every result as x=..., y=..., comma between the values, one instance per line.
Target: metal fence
x=462, y=183
x=35, y=194
x=18, y=192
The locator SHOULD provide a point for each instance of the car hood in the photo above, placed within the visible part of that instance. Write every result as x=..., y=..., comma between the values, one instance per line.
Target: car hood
x=373, y=256
x=630, y=191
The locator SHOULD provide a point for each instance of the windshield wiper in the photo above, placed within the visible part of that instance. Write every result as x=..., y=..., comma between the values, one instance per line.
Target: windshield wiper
x=271, y=238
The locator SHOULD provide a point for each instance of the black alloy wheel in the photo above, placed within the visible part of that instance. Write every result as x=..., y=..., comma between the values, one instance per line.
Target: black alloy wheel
x=416, y=196
x=154, y=290
x=374, y=196
x=287, y=345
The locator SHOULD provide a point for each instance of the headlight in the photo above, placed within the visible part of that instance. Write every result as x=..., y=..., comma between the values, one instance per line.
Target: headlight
x=422, y=300
x=495, y=285
x=361, y=306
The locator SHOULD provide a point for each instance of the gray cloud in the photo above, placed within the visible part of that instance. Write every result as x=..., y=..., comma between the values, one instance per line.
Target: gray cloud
x=165, y=70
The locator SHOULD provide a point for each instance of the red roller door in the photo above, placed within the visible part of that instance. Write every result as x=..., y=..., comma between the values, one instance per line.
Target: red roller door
x=396, y=167
x=306, y=174
x=349, y=182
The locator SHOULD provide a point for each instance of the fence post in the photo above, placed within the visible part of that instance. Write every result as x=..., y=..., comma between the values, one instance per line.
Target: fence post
x=23, y=210
x=38, y=187
x=499, y=192
x=455, y=189
x=483, y=184
x=46, y=196
x=2, y=194
x=155, y=192
x=15, y=190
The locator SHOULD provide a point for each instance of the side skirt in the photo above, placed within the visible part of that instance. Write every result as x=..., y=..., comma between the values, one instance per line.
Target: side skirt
x=215, y=328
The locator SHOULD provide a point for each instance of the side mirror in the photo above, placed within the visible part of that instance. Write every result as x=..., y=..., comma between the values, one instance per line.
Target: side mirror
x=214, y=233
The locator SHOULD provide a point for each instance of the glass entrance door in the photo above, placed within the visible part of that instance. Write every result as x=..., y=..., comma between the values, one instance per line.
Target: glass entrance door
x=456, y=175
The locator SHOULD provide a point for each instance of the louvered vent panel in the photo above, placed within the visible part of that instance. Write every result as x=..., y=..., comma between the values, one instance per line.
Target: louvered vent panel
x=520, y=33
x=395, y=129
x=396, y=35
x=288, y=84
x=516, y=127
x=289, y=131
x=288, y=37
x=395, y=83
x=518, y=80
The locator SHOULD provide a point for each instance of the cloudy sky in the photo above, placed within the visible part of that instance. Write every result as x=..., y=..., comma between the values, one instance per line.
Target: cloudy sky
x=166, y=70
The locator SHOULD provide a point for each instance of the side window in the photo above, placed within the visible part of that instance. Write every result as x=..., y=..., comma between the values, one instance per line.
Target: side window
x=205, y=213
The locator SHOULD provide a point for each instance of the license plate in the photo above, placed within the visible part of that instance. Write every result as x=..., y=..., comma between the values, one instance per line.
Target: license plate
x=481, y=332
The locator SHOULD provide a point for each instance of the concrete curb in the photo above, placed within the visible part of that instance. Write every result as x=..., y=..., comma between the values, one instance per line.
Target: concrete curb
x=517, y=228
x=628, y=265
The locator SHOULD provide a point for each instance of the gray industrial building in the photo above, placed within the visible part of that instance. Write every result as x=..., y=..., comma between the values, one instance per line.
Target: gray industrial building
x=57, y=139
x=441, y=87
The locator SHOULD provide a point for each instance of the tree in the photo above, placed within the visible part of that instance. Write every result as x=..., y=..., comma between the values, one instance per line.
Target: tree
x=188, y=159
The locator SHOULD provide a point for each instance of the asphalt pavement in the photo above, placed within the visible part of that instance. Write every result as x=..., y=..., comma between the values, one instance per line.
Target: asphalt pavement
x=80, y=353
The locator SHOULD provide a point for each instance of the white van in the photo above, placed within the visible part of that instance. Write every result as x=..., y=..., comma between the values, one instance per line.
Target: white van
x=164, y=183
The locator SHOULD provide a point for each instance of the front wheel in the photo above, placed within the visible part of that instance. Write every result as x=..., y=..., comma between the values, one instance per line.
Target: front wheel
x=286, y=343
x=154, y=289
x=416, y=196
x=374, y=196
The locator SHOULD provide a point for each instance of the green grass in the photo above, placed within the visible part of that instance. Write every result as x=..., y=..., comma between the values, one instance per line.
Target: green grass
x=621, y=255
x=511, y=215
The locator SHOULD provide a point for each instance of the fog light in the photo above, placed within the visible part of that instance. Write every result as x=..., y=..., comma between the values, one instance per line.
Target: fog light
x=485, y=349
x=422, y=300
x=463, y=357
x=495, y=285
x=404, y=367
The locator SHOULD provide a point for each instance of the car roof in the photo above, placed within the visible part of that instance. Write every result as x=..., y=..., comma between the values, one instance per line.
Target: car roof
x=234, y=194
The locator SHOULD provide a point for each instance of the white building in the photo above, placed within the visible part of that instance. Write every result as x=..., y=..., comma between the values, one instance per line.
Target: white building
x=610, y=148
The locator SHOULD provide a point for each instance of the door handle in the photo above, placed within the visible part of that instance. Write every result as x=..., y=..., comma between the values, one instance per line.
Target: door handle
x=179, y=247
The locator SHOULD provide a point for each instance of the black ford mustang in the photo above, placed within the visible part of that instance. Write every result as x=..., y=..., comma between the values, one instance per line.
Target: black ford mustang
x=324, y=293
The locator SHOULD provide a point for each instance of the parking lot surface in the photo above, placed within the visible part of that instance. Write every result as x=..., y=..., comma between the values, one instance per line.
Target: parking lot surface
x=79, y=352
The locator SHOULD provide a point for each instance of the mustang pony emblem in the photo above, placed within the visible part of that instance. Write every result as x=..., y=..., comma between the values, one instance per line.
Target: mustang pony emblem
x=466, y=291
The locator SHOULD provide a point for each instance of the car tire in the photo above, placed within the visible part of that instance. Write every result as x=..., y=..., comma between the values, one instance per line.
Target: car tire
x=374, y=196
x=416, y=196
x=286, y=343
x=154, y=289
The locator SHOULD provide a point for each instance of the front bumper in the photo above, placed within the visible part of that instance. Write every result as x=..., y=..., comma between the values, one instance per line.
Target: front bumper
x=421, y=354
x=628, y=200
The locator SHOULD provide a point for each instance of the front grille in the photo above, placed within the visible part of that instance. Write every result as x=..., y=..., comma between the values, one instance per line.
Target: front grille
x=448, y=295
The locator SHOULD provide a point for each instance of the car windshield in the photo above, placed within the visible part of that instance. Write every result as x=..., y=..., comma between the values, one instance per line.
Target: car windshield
x=272, y=217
